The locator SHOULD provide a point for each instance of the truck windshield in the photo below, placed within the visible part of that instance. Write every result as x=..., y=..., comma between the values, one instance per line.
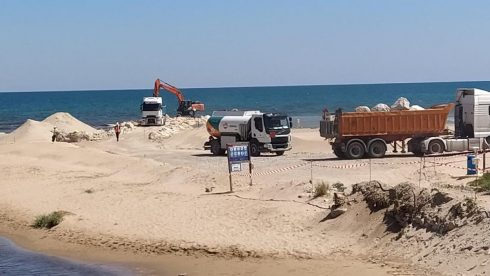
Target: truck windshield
x=151, y=107
x=276, y=123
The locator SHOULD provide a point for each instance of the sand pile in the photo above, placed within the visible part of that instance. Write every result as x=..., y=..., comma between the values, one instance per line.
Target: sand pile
x=67, y=123
x=68, y=129
x=31, y=131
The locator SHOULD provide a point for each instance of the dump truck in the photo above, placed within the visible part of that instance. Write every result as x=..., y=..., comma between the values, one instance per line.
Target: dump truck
x=266, y=132
x=355, y=135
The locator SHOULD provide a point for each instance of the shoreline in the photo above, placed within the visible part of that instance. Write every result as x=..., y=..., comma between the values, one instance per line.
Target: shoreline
x=43, y=242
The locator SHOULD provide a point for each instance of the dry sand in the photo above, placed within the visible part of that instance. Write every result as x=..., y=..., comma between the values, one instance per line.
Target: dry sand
x=147, y=197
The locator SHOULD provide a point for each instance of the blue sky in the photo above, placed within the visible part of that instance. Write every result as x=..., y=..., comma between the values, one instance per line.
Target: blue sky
x=105, y=44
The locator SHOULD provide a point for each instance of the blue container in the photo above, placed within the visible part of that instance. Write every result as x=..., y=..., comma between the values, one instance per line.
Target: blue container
x=470, y=165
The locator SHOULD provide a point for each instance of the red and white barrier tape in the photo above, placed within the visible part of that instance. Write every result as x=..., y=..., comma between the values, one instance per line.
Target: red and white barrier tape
x=274, y=171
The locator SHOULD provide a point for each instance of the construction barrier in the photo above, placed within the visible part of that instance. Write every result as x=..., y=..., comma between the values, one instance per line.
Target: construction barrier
x=435, y=160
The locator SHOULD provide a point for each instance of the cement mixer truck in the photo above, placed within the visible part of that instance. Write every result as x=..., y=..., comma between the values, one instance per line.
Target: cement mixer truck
x=266, y=132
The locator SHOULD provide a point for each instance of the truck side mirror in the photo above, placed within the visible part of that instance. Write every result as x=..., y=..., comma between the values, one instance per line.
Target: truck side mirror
x=141, y=107
x=290, y=122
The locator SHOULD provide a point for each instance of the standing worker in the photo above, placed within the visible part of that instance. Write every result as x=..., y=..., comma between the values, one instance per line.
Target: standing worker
x=117, y=130
x=55, y=133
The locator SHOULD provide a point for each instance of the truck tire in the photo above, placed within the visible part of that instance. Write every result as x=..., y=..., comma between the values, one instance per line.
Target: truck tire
x=215, y=147
x=377, y=149
x=254, y=149
x=338, y=152
x=355, y=150
x=435, y=146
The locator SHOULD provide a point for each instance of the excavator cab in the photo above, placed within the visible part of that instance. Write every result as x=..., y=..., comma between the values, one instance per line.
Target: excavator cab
x=189, y=108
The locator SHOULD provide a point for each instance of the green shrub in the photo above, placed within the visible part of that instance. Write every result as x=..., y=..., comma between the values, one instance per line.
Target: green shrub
x=321, y=190
x=48, y=221
x=482, y=184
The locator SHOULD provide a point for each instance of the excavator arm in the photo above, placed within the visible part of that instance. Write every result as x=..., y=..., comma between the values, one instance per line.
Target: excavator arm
x=186, y=107
x=172, y=89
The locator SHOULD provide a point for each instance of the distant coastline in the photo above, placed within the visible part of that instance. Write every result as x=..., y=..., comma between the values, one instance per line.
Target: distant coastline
x=98, y=108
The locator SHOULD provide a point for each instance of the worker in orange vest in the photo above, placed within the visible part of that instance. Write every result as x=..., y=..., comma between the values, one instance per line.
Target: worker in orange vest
x=117, y=130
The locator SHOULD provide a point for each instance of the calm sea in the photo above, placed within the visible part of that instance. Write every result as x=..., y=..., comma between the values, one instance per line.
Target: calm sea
x=17, y=261
x=99, y=108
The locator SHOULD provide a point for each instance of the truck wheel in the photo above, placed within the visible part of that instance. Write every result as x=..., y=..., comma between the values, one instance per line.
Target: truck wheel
x=435, y=146
x=355, y=150
x=279, y=153
x=338, y=152
x=254, y=149
x=377, y=149
x=215, y=147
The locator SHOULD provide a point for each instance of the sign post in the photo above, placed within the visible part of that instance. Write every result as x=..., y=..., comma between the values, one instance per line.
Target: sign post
x=238, y=155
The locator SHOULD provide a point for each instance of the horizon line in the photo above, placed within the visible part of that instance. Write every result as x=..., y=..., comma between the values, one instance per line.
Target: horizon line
x=255, y=86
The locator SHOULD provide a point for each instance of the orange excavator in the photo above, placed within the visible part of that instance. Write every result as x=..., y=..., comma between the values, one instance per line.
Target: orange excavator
x=186, y=107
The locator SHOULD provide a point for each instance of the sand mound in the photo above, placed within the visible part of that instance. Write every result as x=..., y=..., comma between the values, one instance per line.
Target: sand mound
x=69, y=129
x=67, y=123
x=31, y=131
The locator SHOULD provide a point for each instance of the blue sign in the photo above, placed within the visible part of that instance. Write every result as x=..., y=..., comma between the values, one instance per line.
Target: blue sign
x=238, y=154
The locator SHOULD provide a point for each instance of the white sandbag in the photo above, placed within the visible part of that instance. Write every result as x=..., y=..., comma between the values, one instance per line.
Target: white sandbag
x=401, y=104
x=416, y=107
x=381, y=107
x=363, y=108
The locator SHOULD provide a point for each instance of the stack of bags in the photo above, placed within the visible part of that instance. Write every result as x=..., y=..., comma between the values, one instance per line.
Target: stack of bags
x=400, y=104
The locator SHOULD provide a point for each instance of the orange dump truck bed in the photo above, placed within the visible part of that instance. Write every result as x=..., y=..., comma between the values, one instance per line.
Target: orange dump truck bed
x=393, y=125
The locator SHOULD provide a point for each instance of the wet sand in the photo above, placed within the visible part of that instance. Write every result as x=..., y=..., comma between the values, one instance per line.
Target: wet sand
x=40, y=241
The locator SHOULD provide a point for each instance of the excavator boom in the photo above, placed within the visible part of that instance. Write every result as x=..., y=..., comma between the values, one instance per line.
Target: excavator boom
x=186, y=107
x=170, y=88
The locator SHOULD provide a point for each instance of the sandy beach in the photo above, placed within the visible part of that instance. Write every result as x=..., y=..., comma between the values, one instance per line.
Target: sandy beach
x=142, y=201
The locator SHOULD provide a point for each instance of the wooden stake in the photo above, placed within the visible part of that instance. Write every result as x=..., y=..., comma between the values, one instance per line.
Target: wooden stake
x=311, y=172
x=420, y=171
x=370, y=173
x=231, y=184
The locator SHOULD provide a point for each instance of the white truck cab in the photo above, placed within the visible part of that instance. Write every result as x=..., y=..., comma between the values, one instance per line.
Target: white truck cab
x=472, y=113
x=152, y=112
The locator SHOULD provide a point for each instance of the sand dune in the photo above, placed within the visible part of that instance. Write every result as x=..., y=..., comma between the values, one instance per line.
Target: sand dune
x=68, y=123
x=31, y=131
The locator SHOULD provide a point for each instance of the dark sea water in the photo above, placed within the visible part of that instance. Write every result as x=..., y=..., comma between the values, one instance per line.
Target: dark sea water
x=17, y=261
x=99, y=108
